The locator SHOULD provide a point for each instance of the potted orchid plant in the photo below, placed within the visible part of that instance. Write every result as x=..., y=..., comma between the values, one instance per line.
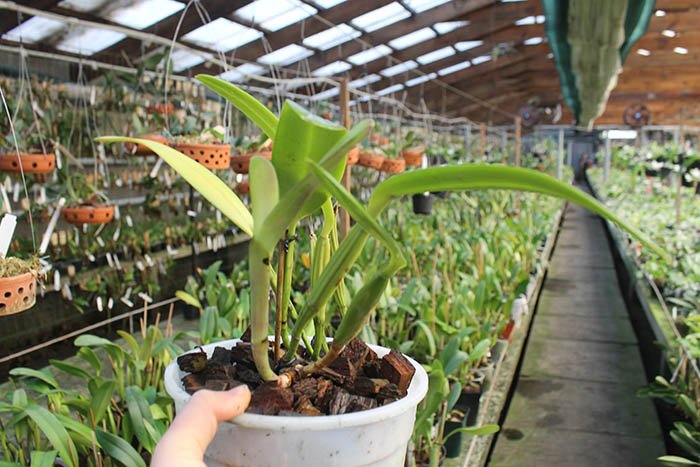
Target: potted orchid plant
x=372, y=425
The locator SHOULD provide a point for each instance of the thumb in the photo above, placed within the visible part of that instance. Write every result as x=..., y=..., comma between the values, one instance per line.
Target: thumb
x=184, y=443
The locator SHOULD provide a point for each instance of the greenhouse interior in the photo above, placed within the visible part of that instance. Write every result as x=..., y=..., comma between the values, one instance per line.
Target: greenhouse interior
x=194, y=192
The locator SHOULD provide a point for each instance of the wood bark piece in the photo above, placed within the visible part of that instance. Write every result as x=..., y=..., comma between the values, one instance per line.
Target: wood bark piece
x=193, y=383
x=397, y=369
x=365, y=386
x=270, y=399
x=192, y=362
x=344, y=402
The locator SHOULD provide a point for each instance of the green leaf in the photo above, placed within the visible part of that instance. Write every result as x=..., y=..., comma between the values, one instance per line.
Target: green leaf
x=89, y=355
x=130, y=341
x=484, y=177
x=189, y=299
x=42, y=375
x=119, y=450
x=43, y=458
x=244, y=102
x=82, y=434
x=479, y=350
x=140, y=414
x=100, y=398
x=303, y=137
x=264, y=192
x=207, y=324
x=70, y=368
x=675, y=461
x=474, y=430
x=211, y=187
x=54, y=431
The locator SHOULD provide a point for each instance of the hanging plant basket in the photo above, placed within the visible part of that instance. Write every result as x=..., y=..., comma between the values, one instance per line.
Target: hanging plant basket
x=162, y=108
x=140, y=149
x=211, y=156
x=243, y=188
x=17, y=293
x=370, y=160
x=31, y=163
x=353, y=155
x=413, y=156
x=241, y=162
x=88, y=213
x=393, y=166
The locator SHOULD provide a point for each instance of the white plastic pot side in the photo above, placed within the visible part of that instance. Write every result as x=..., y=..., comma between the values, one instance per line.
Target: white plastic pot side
x=377, y=437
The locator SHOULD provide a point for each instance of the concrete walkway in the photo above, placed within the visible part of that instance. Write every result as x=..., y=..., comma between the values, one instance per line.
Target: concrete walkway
x=575, y=402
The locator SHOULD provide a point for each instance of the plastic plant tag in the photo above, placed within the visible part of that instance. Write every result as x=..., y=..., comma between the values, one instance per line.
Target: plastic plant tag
x=149, y=260
x=143, y=296
x=91, y=257
x=7, y=207
x=56, y=280
x=52, y=225
x=98, y=301
x=110, y=261
x=129, y=222
x=110, y=303
x=15, y=192
x=99, y=241
x=115, y=235
x=7, y=230
x=156, y=167
x=127, y=302
x=191, y=213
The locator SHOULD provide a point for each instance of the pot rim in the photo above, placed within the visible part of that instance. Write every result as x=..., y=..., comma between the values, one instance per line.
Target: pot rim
x=416, y=392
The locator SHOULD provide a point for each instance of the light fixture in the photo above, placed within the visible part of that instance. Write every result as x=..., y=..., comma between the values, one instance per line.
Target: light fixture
x=680, y=50
x=643, y=52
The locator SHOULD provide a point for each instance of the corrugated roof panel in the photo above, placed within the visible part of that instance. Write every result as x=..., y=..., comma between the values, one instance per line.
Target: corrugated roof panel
x=381, y=17
x=87, y=41
x=416, y=37
x=454, y=68
x=331, y=37
x=239, y=73
x=420, y=80
x=436, y=55
x=390, y=89
x=34, y=30
x=328, y=3
x=222, y=35
x=400, y=68
x=286, y=55
x=183, y=60
x=145, y=13
x=274, y=15
x=83, y=6
x=334, y=68
x=370, y=54
x=422, y=5
x=364, y=81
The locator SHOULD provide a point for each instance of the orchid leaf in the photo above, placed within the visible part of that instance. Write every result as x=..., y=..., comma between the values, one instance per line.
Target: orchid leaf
x=250, y=106
x=211, y=187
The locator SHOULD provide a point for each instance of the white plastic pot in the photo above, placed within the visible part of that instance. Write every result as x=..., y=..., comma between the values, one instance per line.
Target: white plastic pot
x=377, y=437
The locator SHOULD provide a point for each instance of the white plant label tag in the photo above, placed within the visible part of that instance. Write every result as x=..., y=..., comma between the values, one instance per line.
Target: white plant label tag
x=52, y=225
x=156, y=168
x=7, y=230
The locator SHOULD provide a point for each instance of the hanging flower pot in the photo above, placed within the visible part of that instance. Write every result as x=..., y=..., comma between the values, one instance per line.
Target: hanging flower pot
x=377, y=436
x=241, y=163
x=353, y=155
x=393, y=166
x=370, y=160
x=413, y=156
x=243, y=188
x=140, y=149
x=89, y=213
x=17, y=293
x=162, y=108
x=30, y=163
x=211, y=156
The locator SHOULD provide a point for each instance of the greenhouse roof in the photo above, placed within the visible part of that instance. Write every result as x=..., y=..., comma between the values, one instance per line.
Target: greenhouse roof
x=482, y=59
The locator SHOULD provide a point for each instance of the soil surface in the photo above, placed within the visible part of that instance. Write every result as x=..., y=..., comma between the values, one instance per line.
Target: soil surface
x=357, y=380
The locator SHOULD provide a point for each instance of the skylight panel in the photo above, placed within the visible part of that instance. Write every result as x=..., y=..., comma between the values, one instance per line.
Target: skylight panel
x=533, y=41
x=286, y=55
x=389, y=90
x=436, y=55
x=328, y=3
x=454, y=68
x=381, y=17
x=413, y=38
x=422, y=5
x=369, y=55
x=182, y=60
x=400, y=68
x=239, y=74
x=332, y=69
x=449, y=26
x=364, y=81
x=467, y=45
x=274, y=15
x=420, y=80
x=34, y=30
x=143, y=14
x=331, y=37
x=222, y=35
x=327, y=94
x=87, y=41
x=480, y=59
x=83, y=6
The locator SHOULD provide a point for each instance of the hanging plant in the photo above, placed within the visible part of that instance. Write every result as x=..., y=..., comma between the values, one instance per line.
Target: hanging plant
x=261, y=147
x=17, y=284
x=207, y=148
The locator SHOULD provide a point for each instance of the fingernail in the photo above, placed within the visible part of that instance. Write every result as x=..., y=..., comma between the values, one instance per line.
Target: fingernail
x=240, y=389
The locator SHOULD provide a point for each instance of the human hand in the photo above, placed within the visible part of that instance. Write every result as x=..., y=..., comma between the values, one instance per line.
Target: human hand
x=184, y=443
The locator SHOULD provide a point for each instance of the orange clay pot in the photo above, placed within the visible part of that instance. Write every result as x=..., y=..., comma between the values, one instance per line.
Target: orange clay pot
x=88, y=214
x=241, y=163
x=383, y=141
x=17, y=293
x=413, y=157
x=372, y=161
x=393, y=166
x=142, y=150
x=211, y=156
x=354, y=155
x=162, y=108
x=31, y=163
x=243, y=188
